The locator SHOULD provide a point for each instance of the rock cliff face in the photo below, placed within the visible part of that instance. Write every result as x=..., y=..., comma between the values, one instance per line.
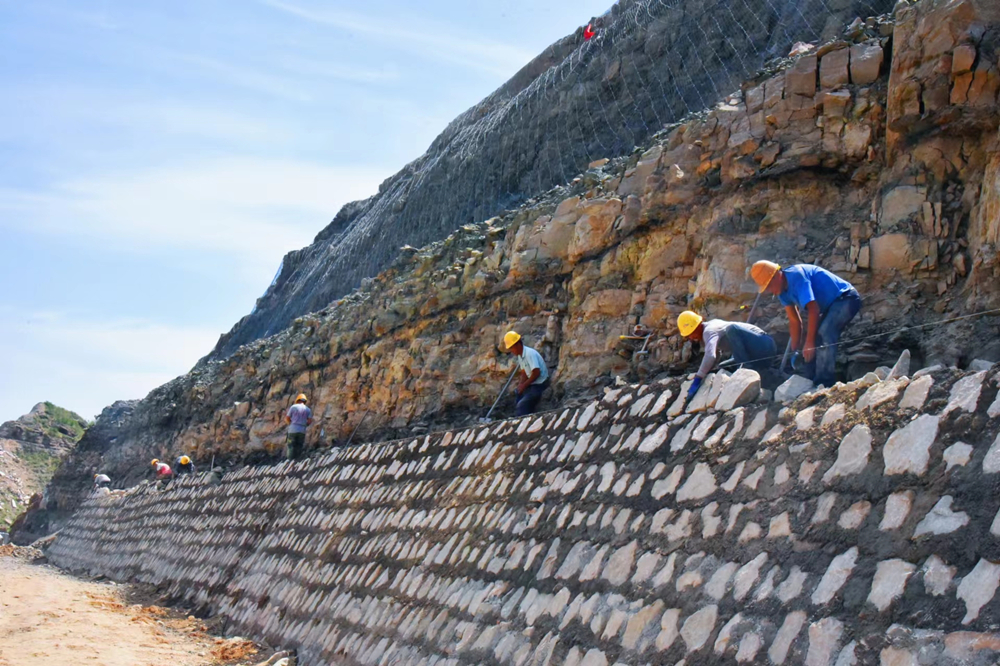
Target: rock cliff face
x=31, y=449
x=858, y=525
x=651, y=63
x=874, y=155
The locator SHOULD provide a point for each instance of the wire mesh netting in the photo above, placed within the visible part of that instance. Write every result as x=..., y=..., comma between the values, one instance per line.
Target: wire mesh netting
x=650, y=63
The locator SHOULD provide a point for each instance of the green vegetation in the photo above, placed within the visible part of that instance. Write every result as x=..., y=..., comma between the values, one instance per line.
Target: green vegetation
x=41, y=463
x=56, y=416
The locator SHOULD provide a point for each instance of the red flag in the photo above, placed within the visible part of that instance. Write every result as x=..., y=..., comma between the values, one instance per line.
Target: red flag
x=588, y=32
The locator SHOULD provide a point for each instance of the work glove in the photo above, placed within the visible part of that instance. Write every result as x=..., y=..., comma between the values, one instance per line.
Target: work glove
x=797, y=361
x=695, y=385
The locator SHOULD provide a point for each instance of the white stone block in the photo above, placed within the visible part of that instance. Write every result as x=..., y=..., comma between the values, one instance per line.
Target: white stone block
x=855, y=515
x=836, y=575
x=699, y=485
x=991, y=463
x=881, y=393
x=890, y=582
x=978, y=588
x=902, y=366
x=937, y=576
x=750, y=645
x=957, y=454
x=789, y=630
x=941, y=519
x=805, y=419
x=757, y=425
x=698, y=628
x=916, y=393
x=743, y=388
x=824, y=639
x=726, y=634
x=981, y=365
x=852, y=455
x=908, y=449
x=747, y=576
x=897, y=508
x=668, y=629
x=620, y=564
x=793, y=387
x=965, y=394
x=834, y=414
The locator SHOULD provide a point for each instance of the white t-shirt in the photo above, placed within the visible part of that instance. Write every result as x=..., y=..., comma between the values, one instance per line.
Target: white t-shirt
x=529, y=360
x=102, y=478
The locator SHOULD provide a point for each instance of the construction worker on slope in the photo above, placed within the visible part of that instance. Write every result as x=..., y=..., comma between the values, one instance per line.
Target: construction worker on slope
x=298, y=417
x=183, y=465
x=534, y=375
x=830, y=303
x=161, y=469
x=101, y=481
x=749, y=345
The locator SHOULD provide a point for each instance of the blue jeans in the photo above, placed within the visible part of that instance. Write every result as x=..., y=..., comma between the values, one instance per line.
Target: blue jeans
x=527, y=402
x=831, y=325
x=751, y=346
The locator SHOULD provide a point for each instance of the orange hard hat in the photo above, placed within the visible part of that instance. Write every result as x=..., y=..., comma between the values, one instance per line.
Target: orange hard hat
x=763, y=272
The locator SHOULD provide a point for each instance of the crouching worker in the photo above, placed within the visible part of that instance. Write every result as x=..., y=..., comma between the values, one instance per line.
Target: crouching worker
x=750, y=346
x=184, y=466
x=830, y=303
x=298, y=418
x=161, y=470
x=533, y=378
x=102, y=481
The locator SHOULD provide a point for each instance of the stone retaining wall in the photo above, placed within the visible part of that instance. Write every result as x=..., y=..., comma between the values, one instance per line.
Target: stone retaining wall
x=858, y=525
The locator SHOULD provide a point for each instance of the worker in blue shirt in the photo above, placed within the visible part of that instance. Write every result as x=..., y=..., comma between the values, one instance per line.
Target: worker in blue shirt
x=830, y=303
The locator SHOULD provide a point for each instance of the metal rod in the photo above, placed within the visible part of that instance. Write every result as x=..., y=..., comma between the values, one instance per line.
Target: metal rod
x=784, y=359
x=753, y=310
x=354, y=432
x=503, y=392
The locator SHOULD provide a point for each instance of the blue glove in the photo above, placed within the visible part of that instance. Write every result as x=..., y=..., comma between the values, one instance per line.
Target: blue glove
x=695, y=385
x=797, y=361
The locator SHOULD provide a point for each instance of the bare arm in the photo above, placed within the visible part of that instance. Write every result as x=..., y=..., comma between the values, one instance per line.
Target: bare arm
x=794, y=325
x=809, y=351
x=528, y=380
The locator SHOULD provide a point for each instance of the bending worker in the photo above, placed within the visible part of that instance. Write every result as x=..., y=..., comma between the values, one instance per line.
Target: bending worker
x=101, y=481
x=830, y=303
x=184, y=465
x=161, y=469
x=534, y=375
x=749, y=345
x=298, y=418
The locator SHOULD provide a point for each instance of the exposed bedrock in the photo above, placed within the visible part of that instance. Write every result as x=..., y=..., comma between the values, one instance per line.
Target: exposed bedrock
x=652, y=62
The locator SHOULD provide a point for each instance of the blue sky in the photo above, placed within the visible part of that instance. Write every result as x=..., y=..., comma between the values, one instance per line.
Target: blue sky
x=158, y=158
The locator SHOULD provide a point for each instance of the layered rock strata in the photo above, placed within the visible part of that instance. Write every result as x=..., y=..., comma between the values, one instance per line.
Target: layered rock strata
x=850, y=156
x=858, y=526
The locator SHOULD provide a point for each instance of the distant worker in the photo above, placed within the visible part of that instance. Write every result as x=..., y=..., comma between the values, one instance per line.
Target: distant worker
x=184, y=466
x=750, y=346
x=298, y=417
x=534, y=375
x=161, y=470
x=101, y=481
x=830, y=303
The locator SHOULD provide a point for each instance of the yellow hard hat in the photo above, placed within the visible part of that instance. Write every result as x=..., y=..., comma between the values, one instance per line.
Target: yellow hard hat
x=301, y=398
x=185, y=460
x=511, y=339
x=687, y=322
x=154, y=461
x=763, y=272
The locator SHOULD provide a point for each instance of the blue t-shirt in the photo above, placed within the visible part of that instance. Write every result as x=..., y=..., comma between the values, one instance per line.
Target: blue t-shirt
x=299, y=415
x=808, y=283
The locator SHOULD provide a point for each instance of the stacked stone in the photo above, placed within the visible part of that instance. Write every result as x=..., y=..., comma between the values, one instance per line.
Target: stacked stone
x=859, y=524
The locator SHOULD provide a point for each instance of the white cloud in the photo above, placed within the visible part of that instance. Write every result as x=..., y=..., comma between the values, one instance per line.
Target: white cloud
x=430, y=40
x=257, y=209
x=84, y=364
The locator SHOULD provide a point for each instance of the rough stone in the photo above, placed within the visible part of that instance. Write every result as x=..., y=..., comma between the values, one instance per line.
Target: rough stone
x=908, y=449
x=941, y=519
x=741, y=389
x=852, y=455
x=793, y=387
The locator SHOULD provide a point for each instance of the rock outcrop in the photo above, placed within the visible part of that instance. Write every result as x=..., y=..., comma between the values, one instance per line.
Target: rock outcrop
x=651, y=63
x=826, y=159
x=847, y=528
x=31, y=449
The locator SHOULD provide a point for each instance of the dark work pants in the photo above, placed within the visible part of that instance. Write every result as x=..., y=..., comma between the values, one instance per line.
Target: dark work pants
x=823, y=370
x=527, y=402
x=751, y=348
x=295, y=445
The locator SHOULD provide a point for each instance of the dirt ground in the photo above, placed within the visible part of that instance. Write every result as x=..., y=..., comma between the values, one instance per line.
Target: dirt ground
x=48, y=617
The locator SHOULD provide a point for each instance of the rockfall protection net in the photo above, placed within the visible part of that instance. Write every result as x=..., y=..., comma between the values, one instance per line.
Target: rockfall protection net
x=650, y=63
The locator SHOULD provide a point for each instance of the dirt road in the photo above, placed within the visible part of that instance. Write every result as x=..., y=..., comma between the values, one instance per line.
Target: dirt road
x=48, y=618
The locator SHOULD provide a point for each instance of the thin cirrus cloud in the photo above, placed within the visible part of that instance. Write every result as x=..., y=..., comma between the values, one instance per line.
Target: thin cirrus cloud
x=255, y=208
x=431, y=41
x=99, y=361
